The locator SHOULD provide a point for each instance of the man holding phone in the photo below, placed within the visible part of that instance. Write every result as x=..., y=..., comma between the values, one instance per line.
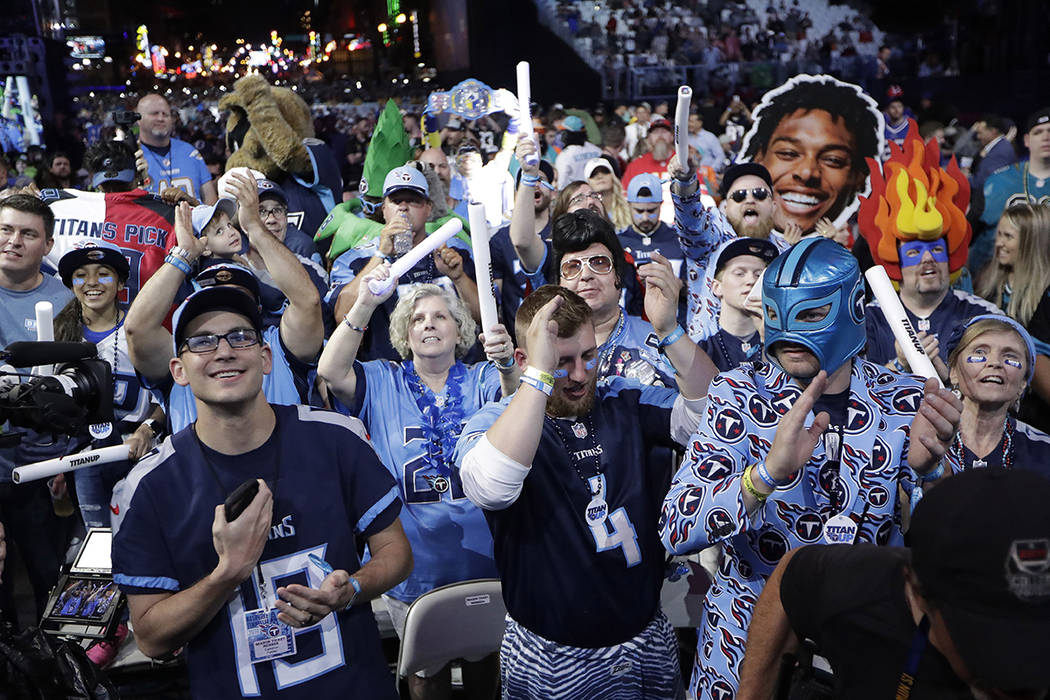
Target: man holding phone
x=258, y=614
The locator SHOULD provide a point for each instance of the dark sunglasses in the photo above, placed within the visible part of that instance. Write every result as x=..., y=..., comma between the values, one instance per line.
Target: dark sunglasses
x=238, y=338
x=759, y=193
x=599, y=264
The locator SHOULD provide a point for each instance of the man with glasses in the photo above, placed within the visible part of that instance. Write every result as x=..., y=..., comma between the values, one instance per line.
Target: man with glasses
x=270, y=602
x=747, y=211
x=295, y=341
x=406, y=209
x=273, y=210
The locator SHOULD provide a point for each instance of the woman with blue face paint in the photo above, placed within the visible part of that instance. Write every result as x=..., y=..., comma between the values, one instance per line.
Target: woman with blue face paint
x=414, y=411
x=991, y=365
x=96, y=271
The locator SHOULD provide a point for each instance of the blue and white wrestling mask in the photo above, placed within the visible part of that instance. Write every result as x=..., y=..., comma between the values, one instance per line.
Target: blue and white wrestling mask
x=813, y=273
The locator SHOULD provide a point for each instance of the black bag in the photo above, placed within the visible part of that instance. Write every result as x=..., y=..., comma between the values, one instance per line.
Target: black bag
x=800, y=680
x=36, y=666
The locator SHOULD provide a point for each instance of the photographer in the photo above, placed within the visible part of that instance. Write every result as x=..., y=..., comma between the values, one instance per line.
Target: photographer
x=26, y=228
x=965, y=613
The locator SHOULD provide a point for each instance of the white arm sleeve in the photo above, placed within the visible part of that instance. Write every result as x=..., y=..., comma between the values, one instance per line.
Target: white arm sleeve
x=685, y=418
x=491, y=479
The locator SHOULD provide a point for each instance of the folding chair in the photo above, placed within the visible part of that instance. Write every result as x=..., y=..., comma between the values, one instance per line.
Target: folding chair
x=459, y=621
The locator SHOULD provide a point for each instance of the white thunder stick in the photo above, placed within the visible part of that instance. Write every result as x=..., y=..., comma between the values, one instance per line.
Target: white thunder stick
x=893, y=310
x=681, y=125
x=407, y=261
x=51, y=467
x=45, y=330
x=479, y=241
x=524, y=109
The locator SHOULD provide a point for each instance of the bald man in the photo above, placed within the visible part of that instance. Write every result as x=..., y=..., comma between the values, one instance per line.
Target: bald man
x=436, y=159
x=172, y=163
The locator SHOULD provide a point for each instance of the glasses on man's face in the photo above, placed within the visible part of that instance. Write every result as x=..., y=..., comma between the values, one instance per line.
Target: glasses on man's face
x=275, y=212
x=759, y=193
x=238, y=339
x=583, y=197
x=572, y=267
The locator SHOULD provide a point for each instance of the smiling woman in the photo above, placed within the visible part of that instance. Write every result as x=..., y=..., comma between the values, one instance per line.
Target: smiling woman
x=991, y=364
x=813, y=134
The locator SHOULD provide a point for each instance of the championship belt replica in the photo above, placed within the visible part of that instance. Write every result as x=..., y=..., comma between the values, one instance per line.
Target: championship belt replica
x=914, y=199
x=471, y=99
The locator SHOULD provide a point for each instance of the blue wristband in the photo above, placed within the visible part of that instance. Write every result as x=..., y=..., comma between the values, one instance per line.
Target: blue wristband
x=677, y=333
x=767, y=478
x=178, y=263
x=507, y=365
x=537, y=384
x=529, y=179
x=934, y=474
x=357, y=592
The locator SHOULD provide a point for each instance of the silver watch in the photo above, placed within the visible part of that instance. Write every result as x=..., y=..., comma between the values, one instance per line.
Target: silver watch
x=180, y=252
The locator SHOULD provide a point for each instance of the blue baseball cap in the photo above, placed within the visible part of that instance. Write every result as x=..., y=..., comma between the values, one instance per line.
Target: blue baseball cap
x=204, y=213
x=270, y=189
x=572, y=123
x=406, y=178
x=645, y=181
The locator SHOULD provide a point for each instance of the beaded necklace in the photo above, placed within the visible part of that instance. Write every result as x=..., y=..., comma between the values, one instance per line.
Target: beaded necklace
x=444, y=420
x=1006, y=446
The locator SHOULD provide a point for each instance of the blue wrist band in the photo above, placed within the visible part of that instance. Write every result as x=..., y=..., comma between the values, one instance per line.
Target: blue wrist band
x=179, y=263
x=677, y=333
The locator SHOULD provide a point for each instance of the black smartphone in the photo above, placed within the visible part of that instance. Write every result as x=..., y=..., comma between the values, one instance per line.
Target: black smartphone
x=237, y=501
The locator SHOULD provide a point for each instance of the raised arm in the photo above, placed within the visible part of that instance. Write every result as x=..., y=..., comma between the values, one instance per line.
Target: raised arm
x=302, y=327
x=149, y=343
x=527, y=243
x=336, y=365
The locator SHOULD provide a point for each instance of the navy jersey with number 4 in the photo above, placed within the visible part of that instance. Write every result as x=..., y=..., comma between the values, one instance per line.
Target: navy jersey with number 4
x=329, y=489
x=566, y=580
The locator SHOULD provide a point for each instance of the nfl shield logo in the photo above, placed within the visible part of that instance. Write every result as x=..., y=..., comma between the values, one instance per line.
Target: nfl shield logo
x=579, y=430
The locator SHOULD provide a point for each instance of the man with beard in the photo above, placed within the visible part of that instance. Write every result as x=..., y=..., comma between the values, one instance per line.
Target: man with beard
x=747, y=211
x=172, y=163
x=535, y=191
x=438, y=161
x=660, y=140
x=647, y=234
x=560, y=471
x=812, y=446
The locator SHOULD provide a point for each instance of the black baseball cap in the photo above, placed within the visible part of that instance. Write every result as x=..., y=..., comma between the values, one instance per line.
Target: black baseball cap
x=220, y=298
x=738, y=170
x=1040, y=117
x=981, y=549
x=221, y=273
x=92, y=251
x=758, y=247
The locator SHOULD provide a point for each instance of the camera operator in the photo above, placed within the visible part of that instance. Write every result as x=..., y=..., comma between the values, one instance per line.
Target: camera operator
x=964, y=614
x=26, y=230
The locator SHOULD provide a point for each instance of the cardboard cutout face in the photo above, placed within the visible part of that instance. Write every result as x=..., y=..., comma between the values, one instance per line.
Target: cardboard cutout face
x=813, y=134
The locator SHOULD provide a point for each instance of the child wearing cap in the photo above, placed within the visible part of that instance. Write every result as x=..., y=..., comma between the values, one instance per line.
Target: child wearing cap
x=96, y=273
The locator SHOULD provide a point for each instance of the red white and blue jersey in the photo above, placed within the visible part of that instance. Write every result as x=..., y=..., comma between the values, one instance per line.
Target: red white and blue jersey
x=329, y=489
x=141, y=224
x=180, y=166
x=449, y=537
x=558, y=580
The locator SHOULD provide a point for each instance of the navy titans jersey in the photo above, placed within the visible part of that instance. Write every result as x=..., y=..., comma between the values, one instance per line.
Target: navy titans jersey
x=728, y=351
x=449, y=537
x=955, y=310
x=309, y=201
x=559, y=580
x=1028, y=449
x=329, y=488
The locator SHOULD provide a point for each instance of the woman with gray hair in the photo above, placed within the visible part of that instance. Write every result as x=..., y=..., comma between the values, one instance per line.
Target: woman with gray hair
x=991, y=364
x=414, y=411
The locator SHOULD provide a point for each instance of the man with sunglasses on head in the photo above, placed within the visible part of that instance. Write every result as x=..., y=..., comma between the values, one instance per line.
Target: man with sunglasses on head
x=406, y=209
x=295, y=342
x=560, y=469
x=271, y=601
x=747, y=210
